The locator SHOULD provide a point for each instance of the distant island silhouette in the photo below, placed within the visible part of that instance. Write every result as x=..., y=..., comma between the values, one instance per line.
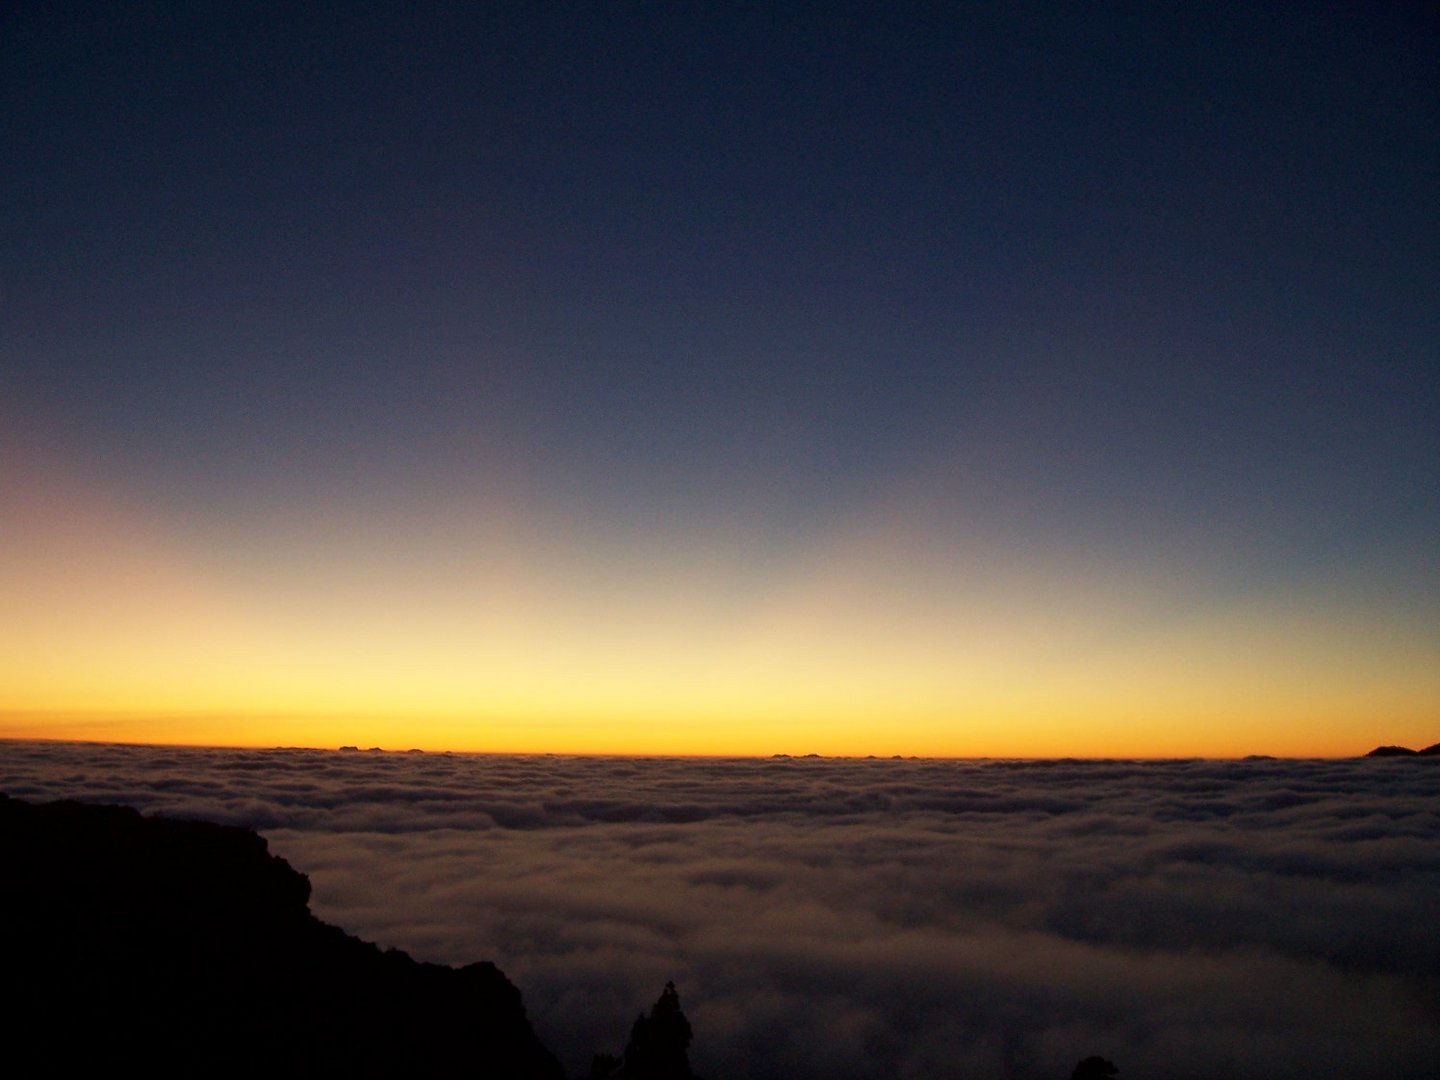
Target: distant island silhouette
x=179, y=948
x=1404, y=751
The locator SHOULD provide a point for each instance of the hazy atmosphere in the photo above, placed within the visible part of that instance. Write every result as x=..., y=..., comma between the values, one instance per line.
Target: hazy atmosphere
x=847, y=919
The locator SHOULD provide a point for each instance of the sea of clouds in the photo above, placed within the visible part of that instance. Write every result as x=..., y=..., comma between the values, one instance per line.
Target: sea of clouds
x=846, y=919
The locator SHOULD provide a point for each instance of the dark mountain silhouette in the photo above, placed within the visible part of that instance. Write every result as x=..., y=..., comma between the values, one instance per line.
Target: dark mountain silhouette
x=659, y=1046
x=180, y=948
x=1433, y=750
x=1401, y=752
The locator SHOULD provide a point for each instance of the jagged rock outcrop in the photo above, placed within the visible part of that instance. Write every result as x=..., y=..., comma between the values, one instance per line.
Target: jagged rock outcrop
x=180, y=948
x=659, y=1046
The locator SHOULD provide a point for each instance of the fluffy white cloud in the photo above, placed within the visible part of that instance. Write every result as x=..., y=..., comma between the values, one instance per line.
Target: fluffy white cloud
x=856, y=919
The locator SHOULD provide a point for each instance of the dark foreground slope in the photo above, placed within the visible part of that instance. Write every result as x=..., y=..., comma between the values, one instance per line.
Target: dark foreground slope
x=180, y=948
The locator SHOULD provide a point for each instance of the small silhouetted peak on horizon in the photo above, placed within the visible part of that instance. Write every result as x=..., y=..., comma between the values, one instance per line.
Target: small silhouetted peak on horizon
x=1094, y=1068
x=1432, y=750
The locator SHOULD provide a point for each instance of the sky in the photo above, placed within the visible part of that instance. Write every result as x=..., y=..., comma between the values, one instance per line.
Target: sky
x=963, y=379
x=870, y=920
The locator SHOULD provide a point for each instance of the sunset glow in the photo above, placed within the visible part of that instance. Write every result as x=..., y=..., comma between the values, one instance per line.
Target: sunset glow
x=404, y=632
x=989, y=389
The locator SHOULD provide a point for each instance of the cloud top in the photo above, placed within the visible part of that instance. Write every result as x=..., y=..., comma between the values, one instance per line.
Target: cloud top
x=861, y=918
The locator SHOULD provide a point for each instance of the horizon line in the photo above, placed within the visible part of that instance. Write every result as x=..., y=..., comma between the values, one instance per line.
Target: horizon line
x=671, y=755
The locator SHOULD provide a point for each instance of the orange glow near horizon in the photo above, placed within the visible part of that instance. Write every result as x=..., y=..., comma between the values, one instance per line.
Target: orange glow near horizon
x=1077, y=718
x=513, y=631
x=652, y=738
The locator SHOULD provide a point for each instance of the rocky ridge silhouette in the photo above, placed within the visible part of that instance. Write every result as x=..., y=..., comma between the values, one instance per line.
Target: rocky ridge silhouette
x=182, y=948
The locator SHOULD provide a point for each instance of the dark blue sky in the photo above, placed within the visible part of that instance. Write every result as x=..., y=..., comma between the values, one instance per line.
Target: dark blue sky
x=1116, y=273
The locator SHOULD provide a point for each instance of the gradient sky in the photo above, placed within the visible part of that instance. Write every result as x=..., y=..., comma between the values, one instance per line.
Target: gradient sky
x=957, y=379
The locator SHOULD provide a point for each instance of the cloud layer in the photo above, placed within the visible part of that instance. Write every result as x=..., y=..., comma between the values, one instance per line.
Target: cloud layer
x=859, y=918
